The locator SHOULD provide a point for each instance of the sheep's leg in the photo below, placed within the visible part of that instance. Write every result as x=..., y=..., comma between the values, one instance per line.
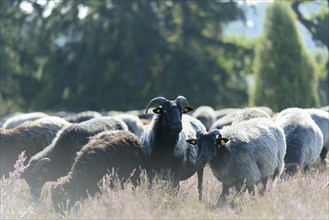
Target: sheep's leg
x=150, y=179
x=175, y=184
x=269, y=183
x=222, y=198
x=251, y=189
x=261, y=187
x=323, y=155
x=200, y=180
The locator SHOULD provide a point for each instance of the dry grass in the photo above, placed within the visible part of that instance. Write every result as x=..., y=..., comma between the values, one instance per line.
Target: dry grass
x=299, y=197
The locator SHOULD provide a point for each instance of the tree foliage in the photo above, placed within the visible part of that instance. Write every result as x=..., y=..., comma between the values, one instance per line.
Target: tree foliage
x=119, y=54
x=318, y=24
x=285, y=73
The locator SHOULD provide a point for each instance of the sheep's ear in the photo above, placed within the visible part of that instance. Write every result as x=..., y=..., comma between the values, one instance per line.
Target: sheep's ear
x=192, y=141
x=222, y=141
x=187, y=109
x=157, y=110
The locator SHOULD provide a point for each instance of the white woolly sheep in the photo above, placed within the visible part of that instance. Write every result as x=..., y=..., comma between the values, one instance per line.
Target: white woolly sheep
x=304, y=139
x=321, y=118
x=250, y=152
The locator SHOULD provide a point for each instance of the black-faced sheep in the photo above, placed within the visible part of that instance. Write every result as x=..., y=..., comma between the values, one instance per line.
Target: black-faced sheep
x=250, y=152
x=206, y=115
x=117, y=152
x=31, y=137
x=304, y=139
x=249, y=113
x=164, y=141
x=56, y=159
x=321, y=118
x=22, y=118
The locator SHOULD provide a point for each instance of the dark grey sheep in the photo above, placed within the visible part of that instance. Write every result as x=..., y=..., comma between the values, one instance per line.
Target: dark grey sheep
x=249, y=113
x=321, y=118
x=206, y=115
x=31, y=137
x=250, y=152
x=56, y=159
x=224, y=121
x=304, y=139
x=225, y=111
x=134, y=123
x=19, y=119
x=82, y=116
x=116, y=152
x=164, y=141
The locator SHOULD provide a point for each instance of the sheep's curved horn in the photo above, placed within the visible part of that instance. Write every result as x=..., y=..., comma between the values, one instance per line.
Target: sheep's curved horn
x=41, y=163
x=216, y=132
x=182, y=101
x=157, y=100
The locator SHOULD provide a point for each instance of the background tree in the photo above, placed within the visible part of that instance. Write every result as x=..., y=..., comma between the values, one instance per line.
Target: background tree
x=103, y=55
x=285, y=73
x=317, y=24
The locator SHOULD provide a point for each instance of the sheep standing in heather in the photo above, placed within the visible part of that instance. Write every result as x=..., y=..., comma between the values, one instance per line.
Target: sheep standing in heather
x=56, y=159
x=304, y=139
x=31, y=137
x=117, y=151
x=321, y=118
x=250, y=152
x=164, y=142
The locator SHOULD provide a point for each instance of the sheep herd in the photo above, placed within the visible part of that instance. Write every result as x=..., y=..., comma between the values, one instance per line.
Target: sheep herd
x=244, y=148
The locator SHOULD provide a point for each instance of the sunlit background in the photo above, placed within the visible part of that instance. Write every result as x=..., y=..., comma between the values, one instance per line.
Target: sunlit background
x=116, y=55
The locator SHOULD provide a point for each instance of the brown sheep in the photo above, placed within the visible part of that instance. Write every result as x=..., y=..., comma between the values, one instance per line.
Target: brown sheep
x=56, y=159
x=31, y=137
x=107, y=151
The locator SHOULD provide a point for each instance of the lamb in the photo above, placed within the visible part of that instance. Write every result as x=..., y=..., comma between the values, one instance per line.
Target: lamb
x=163, y=142
x=30, y=137
x=117, y=151
x=249, y=113
x=304, y=139
x=321, y=118
x=250, y=152
x=22, y=118
x=206, y=115
x=135, y=125
x=57, y=158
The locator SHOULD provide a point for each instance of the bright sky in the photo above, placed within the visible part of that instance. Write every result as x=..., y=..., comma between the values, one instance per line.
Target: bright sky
x=253, y=2
x=28, y=8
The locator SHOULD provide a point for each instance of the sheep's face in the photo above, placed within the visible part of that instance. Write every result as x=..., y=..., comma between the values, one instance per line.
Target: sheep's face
x=170, y=114
x=208, y=144
x=36, y=178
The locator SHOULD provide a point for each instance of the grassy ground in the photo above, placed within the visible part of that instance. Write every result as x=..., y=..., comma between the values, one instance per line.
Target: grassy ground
x=299, y=197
